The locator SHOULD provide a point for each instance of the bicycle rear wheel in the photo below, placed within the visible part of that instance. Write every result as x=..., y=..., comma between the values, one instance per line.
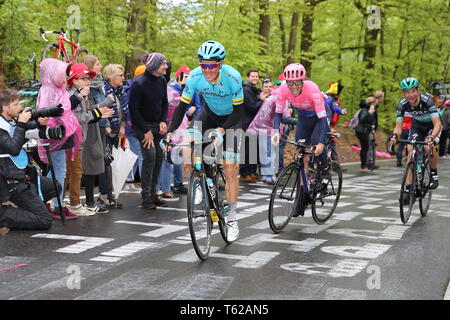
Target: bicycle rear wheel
x=426, y=193
x=80, y=54
x=52, y=51
x=284, y=198
x=200, y=224
x=406, y=206
x=326, y=193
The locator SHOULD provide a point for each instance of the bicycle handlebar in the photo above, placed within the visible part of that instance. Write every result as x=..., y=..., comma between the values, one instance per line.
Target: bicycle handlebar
x=413, y=142
x=43, y=33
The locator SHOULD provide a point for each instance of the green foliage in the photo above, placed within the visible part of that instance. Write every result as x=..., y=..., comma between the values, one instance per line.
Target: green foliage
x=413, y=39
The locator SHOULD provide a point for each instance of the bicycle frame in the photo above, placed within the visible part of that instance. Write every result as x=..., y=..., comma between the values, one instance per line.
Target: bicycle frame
x=61, y=47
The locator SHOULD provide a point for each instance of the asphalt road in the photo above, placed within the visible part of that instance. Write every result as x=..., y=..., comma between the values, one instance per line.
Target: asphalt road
x=363, y=252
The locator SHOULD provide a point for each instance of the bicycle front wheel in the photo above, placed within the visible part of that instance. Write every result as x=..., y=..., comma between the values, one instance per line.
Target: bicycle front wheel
x=221, y=191
x=200, y=224
x=52, y=50
x=406, y=204
x=326, y=193
x=284, y=197
x=425, y=191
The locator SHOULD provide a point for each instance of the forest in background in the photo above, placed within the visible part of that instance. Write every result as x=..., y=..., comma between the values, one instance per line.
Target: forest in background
x=366, y=45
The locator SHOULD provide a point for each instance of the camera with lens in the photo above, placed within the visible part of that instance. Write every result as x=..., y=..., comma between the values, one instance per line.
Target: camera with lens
x=57, y=132
x=48, y=112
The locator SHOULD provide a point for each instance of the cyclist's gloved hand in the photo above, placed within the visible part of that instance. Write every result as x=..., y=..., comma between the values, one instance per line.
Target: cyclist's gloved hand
x=275, y=138
x=432, y=139
x=165, y=142
x=318, y=149
x=217, y=134
x=393, y=137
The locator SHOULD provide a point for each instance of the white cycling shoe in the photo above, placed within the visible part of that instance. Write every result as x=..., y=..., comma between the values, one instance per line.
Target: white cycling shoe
x=233, y=231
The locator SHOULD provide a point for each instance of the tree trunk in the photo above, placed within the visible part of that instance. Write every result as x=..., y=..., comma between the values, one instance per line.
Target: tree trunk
x=136, y=30
x=306, y=57
x=283, y=32
x=264, y=25
x=306, y=42
x=370, y=50
x=293, y=36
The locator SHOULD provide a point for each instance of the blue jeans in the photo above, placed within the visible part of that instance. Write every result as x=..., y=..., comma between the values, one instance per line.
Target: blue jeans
x=59, y=166
x=165, y=176
x=267, y=157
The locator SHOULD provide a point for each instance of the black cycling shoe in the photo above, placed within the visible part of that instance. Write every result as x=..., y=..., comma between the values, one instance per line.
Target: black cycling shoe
x=406, y=197
x=434, y=183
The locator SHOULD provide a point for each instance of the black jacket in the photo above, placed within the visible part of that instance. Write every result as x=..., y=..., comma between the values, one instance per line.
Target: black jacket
x=365, y=119
x=148, y=102
x=252, y=103
x=12, y=146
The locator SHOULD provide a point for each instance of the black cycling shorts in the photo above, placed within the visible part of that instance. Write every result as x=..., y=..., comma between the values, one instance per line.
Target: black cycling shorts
x=206, y=121
x=420, y=130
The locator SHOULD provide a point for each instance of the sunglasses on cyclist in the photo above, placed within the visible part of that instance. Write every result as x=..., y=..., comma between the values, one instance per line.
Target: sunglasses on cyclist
x=296, y=83
x=209, y=65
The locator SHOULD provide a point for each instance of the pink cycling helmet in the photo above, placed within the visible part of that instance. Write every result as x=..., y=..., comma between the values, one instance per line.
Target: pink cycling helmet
x=294, y=71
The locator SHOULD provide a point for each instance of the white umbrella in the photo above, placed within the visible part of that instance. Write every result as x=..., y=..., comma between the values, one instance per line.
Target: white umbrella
x=121, y=166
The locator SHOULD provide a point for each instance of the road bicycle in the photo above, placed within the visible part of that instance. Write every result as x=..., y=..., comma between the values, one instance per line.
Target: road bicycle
x=296, y=188
x=58, y=50
x=419, y=171
x=206, y=200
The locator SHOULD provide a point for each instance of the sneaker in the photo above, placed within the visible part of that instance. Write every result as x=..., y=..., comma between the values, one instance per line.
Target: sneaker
x=233, y=231
x=159, y=193
x=434, y=183
x=160, y=203
x=365, y=169
x=78, y=209
x=168, y=196
x=180, y=190
x=67, y=214
x=112, y=204
x=130, y=187
x=269, y=182
x=99, y=208
x=399, y=163
x=374, y=167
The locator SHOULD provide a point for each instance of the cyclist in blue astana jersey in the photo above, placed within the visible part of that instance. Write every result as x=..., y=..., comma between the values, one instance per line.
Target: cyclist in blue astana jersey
x=426, y=123
x=221, y=87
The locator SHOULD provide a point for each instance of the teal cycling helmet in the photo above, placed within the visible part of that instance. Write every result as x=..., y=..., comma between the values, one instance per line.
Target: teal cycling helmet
x=211, y=50
x=409, y=83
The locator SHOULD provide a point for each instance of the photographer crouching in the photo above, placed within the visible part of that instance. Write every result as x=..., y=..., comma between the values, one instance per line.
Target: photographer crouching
x=22, y=191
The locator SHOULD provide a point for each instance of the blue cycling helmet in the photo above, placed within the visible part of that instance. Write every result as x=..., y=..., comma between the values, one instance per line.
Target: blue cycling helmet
x=409, y=83
x=211, y=50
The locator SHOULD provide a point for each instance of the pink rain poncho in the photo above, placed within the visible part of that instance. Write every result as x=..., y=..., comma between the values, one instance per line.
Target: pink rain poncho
x=173, y=98
x=53, y=91
x=263, y=121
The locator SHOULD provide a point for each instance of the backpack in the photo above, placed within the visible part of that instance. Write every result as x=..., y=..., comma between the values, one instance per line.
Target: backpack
x=354, y=122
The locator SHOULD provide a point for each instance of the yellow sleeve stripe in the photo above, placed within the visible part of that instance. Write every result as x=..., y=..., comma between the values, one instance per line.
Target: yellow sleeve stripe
x=186, y=99
x=238, y=101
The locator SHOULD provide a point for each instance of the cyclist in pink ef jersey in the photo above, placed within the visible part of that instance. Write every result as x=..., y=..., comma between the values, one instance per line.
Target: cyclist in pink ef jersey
x=305, y=96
